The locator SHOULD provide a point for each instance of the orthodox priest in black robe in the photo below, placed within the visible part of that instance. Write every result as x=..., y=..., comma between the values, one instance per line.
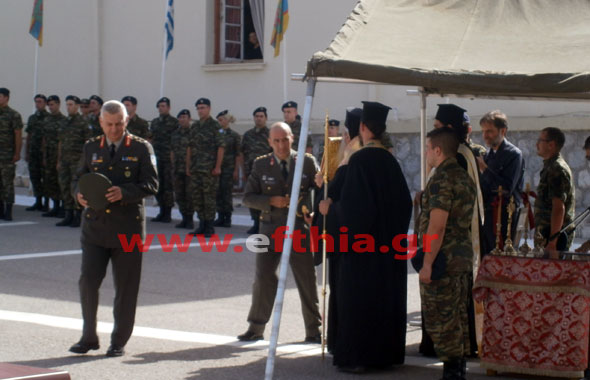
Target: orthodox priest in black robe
x=372, y=281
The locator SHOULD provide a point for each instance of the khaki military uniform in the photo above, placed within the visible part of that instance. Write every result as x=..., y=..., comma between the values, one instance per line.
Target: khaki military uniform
x=182, y=182
x=139, y=127
x=205, y=139
x=10, y=121
x=35, y=131
x=51, y=127
x=233, y=148
x=556, y=182
x=133, y=169
x=445, y=301
x=162, y=128
x=264, y=182
x=72, y=135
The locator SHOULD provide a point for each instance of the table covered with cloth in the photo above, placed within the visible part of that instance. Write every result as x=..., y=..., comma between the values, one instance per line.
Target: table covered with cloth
x=536, y=315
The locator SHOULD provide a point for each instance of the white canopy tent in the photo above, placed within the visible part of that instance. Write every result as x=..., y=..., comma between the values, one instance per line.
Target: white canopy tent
x=536, y=49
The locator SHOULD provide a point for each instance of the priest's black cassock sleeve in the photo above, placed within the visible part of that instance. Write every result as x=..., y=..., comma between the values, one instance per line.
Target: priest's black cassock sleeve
x=372, y=286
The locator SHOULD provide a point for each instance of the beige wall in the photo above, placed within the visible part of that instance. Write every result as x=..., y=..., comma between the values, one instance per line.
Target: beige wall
x=114, y=48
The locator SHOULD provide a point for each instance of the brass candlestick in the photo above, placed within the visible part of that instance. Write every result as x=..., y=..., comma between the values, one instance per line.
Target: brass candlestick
x=525, y=249
x=508, y=248
x=497, y=250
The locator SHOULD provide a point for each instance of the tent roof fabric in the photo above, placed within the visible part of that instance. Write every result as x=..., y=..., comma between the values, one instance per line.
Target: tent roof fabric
x=532, y=48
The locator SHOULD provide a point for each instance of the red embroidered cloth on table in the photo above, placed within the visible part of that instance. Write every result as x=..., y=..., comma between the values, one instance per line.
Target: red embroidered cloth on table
x=536, y=315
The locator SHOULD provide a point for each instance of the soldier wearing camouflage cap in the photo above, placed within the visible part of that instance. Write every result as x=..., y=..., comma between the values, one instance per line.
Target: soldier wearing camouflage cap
x=162, y=128
x=34, y=154
x=72, y=135
x=51, y=127
x=137, y=125
x=11, y=125
x=447, y=210
x=255, y=144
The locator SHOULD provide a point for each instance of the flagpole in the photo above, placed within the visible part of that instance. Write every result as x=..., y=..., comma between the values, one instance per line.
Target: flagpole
x=35, y=74
x=164, y=47
x=285, y=95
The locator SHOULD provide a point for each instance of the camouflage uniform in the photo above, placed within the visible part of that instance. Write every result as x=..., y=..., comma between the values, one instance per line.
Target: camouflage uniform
x=182, y=183
x=254, y=144
x=35, y=131
x=138, y=127
x=94, y=125
x=72, y=135
x=226, y=179
x=10, y=121
x=205, y=139
x=556, y=182
x=296, y=129
x=51, y=127
x=445, y=301
x=162, y=128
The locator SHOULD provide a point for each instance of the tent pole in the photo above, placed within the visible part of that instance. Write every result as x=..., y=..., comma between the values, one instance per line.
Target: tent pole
x=423, y=96
x=284, y=266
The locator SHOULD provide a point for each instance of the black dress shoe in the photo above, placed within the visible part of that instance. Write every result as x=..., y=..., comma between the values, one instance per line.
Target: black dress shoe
x=83, y=347
x=115, y=350
x=250, y=336
x=317, y=339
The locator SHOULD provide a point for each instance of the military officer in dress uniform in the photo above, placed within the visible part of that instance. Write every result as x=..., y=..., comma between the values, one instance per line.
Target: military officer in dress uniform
x=137, y=125
x=11, y=128
x=129, y=163
x=255, y=144
x=268, y=189
x=34, y=154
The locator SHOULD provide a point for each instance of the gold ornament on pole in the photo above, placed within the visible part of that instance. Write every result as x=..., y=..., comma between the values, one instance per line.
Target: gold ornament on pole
x=508, y=248
x=325, y=160
x=525, y=249
x=497, y=250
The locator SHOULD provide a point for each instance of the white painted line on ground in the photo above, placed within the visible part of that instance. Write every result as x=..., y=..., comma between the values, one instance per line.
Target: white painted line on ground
x=12, y=224
x=79, y=251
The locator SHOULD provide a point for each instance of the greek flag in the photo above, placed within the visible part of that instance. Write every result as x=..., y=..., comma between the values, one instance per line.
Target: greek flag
x=169, y=27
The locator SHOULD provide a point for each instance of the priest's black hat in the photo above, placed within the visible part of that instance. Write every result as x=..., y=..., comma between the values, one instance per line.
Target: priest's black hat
x=375, y=116
x=450, y=114
x=353, y=120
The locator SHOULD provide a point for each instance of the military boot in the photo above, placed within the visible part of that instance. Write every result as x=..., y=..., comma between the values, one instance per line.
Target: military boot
x=452, y=370
x=45, y=206
x=160, y=215
x=209, y=230
x=53, y=211
x=227, y=220
x=67, y=220
x=167, y=217
x=8, y=212
x=189, y=221
x=254, y=228
x=183, y=223
x=61, y=211
x=77, y=219
x=220, y=219
x=201, y=229
x=2, y=210
x=38, y=205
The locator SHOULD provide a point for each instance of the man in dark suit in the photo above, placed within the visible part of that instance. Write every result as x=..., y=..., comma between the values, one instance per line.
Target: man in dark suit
x=268, y=190
x=503, y=165
x=129, y=162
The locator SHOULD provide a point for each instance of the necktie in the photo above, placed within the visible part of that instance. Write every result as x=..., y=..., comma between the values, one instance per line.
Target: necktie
x=284, y=170
x=112, y=150
x=490, y=156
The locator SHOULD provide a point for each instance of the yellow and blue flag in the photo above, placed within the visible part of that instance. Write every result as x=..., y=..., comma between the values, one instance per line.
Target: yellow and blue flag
x=36, y=29
x=280, y=27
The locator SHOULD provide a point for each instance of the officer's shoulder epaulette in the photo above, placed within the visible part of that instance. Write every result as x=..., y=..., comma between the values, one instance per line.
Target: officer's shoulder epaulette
x=263, y=157
x=94, y=139
x=309, y=155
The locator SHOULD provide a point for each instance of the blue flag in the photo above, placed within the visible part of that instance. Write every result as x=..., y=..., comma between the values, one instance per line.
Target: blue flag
x=169, y=27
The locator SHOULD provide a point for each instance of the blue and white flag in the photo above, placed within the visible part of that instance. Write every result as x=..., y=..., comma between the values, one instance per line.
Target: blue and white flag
x=169, y=27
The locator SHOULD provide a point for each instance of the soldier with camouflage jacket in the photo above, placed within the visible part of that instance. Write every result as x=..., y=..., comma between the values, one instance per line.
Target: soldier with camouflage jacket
x=51, y=127
x=95, y=104
x=137, y=125
x=182, y=182
x=161, y=132
x=255, y=144
x=204, y=158
x=34, y=156
x=447, y=209
x=11, y=126
x=72, y=135
x=294, y=121
x=555, y=203
x=230, y=167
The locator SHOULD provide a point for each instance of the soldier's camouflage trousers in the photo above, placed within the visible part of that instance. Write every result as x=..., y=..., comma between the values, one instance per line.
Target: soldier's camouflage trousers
x=7, y=170
x=224, y=192
x=183, y=192
x=165, y=194
x=66, y=172
x=36, y=170
x=444, y=304
x=50, y=178
x=204, y=194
